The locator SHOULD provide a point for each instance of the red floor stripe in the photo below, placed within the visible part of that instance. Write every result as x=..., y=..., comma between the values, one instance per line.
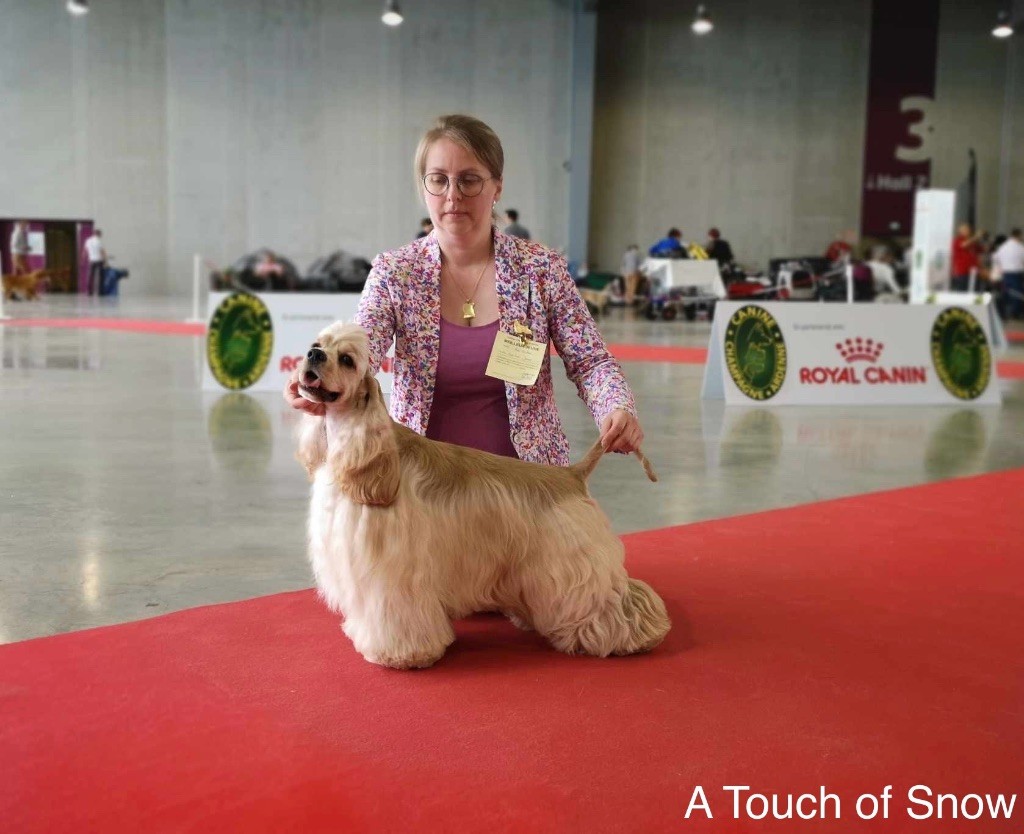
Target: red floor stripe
x=658, y=353
x=851, y=644
x=1010, y=370
x=173, y=328
x=698, y=356
x=622, y=351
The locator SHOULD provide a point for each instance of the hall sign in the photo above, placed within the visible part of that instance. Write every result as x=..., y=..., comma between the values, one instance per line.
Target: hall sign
x=900, y=118
x=789, y=353
x=254, y=341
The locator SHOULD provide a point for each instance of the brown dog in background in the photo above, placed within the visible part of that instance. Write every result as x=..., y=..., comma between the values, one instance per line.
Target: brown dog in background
x=28, y=284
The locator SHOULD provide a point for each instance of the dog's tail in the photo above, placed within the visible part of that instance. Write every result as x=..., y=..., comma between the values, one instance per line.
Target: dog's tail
x=594, y=455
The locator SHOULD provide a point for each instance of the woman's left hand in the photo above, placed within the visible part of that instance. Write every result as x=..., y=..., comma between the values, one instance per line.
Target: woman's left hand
x=621, y=432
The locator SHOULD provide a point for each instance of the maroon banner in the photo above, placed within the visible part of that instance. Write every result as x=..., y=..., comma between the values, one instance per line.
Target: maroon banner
x=901, y=93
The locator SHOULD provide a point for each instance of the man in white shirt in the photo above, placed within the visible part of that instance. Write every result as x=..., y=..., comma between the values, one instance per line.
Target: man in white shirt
x=97, y=256
x=631, y=274
x=20, y=248
x=1009, y=258
x=886, y=288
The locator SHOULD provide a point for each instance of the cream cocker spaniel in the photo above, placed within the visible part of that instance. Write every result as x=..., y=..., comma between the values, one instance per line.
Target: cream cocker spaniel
x=407, y=534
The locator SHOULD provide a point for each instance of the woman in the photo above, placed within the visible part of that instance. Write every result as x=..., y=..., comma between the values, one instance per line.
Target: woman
x=444, y=297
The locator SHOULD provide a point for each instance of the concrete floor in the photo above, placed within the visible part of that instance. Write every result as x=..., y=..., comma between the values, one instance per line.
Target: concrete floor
x=127, y=492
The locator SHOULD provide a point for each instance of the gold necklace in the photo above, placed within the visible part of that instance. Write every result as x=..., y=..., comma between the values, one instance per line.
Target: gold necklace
x=468, y=309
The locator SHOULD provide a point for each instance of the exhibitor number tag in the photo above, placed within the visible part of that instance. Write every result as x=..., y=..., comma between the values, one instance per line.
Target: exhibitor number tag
x=516, y=359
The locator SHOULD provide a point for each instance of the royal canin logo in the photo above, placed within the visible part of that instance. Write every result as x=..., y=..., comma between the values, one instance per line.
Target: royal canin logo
x=853, y=350
x=857, y=349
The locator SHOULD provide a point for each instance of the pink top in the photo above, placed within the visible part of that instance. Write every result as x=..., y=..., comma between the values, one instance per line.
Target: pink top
x=469, y=408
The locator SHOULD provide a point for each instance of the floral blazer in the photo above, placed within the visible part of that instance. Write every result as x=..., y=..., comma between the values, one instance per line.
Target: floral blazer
x=402, y=301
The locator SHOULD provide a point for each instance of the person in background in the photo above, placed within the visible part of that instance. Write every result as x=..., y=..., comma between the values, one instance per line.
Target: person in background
x=630, y=269
x=840, y=250
x=514, y=227
x=985, y=244
x=882, y=265
x=97, y=257
x=20, y=248
x=268, y=265
x=426, y=227
x=670, y=246
x=966, y=255
x=272, y=272
x=986, y=252
x=718, y=248
x=442, y=300
x=1009, y=260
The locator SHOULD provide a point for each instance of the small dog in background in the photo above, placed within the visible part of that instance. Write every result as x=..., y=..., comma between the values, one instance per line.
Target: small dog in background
x=26, y=285
x=407, y=534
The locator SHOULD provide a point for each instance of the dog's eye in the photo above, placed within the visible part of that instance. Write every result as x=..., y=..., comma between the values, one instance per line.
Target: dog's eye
x=346, y=360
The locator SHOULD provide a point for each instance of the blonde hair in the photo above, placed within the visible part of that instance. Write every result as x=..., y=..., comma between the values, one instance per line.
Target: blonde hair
x=470, y=133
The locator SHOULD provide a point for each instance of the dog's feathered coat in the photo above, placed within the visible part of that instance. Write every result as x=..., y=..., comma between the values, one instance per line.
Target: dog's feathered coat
x=406, y=533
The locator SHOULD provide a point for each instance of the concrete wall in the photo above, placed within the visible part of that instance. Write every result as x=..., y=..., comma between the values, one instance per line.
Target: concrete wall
x=222, y=125
x=1011, y=181
x=969, y=103
x=82, y=122
x=219, y=126
x=293, y=125
x=759, y=127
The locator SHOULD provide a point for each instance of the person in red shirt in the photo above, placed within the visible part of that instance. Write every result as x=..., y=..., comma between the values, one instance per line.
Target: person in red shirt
x=840, y=250
x=966, y=249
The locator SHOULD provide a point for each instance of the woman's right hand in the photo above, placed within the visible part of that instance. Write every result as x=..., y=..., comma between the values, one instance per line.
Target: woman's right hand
x=299, y=402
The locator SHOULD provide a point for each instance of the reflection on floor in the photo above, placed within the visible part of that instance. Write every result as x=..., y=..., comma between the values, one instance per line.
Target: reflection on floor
x=128, y=492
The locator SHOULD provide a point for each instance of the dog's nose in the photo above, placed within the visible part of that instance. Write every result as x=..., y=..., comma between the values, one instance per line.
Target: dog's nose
x=316, y=356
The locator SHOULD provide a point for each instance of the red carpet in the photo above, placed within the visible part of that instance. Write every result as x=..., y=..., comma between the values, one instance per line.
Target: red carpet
x=851, y=644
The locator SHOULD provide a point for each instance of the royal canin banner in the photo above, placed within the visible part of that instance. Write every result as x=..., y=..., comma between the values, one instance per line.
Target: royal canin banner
x=901, y=95
x=792, y=353
x=254, y=341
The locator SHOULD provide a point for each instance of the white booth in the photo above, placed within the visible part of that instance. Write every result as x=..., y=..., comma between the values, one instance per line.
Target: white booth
x=934, y=219
x=676, y=273
x=781, y=353
x=254, y=341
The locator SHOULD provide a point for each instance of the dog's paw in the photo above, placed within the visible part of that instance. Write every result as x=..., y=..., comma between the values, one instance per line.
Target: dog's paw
x=411, y=660
x=518, y=622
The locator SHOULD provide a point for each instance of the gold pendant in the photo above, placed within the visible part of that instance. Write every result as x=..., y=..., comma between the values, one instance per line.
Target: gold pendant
x=468, y=310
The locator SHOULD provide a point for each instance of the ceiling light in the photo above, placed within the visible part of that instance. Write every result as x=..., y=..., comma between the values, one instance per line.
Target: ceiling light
x=1003, y=26
x=702, y=22
x=392, y=16
x=78, y=7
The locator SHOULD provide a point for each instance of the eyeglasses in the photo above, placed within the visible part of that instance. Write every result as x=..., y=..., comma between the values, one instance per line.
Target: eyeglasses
x=469, y=185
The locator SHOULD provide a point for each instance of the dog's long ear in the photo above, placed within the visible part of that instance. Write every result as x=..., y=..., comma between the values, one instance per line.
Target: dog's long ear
x=312, y=451
x=367, y=467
